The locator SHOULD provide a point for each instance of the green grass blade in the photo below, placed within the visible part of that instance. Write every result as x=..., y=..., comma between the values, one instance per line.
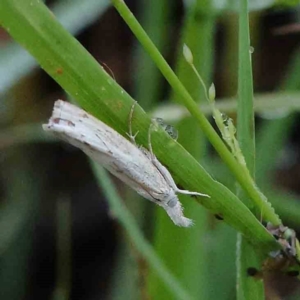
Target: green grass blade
x=248, y=287
x=245, y=111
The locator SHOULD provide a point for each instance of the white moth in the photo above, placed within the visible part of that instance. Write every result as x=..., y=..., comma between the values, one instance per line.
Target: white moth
x=137, y=167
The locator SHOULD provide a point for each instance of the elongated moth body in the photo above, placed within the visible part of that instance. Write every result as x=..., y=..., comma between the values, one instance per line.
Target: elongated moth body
x=137, y=167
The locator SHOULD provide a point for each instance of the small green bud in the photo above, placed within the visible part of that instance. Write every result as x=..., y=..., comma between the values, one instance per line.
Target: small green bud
x=212, y=93
x=187, y=53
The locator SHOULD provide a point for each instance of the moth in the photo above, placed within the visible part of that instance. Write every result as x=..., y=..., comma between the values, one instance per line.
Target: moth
x=135, y=166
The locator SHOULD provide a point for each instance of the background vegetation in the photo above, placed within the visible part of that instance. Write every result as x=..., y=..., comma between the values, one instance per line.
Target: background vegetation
x=59, y=235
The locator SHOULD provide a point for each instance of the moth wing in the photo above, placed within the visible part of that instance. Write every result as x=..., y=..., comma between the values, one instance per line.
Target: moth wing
x=107, y=147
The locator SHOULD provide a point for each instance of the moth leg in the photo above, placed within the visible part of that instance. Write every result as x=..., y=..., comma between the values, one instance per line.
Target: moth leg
x=130, y=135
x=165, y=173
x=152, y=156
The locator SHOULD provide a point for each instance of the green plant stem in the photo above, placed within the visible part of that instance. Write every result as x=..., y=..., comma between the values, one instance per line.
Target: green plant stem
x=241, y=173
x=245, y=112
x=125, y=218
x=247, y=256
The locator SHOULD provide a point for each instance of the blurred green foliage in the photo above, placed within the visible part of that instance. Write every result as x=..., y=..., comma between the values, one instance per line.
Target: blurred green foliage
x=199, y=261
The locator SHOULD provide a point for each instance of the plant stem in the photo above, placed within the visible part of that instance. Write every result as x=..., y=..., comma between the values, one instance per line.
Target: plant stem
x=247, y=256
